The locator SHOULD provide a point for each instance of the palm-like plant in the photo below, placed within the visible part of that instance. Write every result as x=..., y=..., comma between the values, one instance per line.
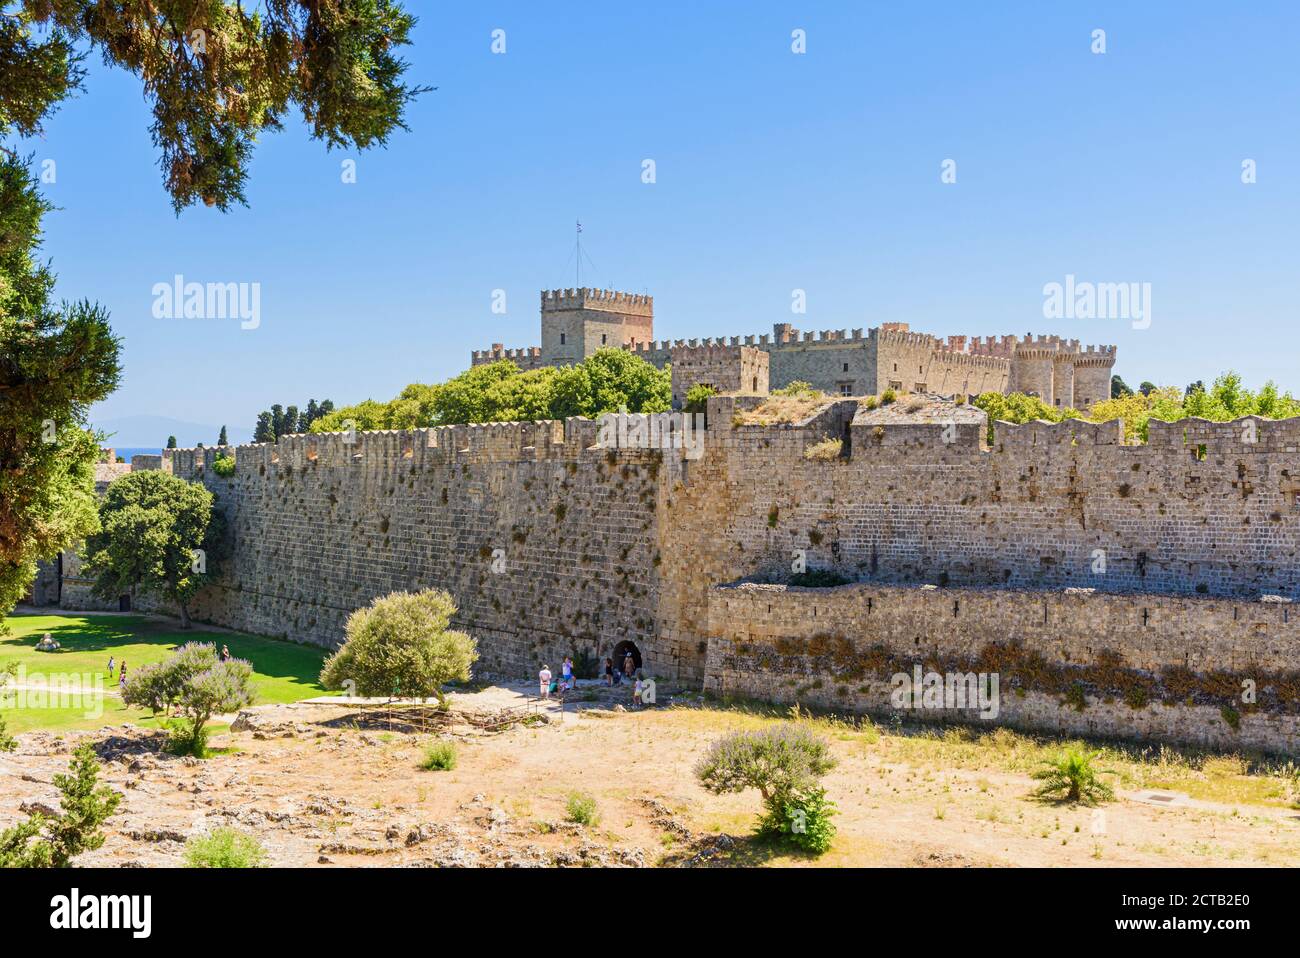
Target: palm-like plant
x=1071, y=777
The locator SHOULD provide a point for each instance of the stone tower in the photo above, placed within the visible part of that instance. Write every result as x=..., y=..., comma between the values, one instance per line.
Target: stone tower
x=731, y=370
x=577, y=322
x=1092, y=369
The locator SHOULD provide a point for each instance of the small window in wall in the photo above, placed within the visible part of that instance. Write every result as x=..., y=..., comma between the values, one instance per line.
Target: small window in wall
x=920, y=388
x=602, y=339
x=920, y=369
x=846, y=367
x=561, y=339
x=895, y=384
x=895, y=367
x=755, y=389
x=846, y=389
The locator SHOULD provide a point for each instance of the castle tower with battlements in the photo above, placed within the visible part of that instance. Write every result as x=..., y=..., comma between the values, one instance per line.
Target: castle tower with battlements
x=578, y=322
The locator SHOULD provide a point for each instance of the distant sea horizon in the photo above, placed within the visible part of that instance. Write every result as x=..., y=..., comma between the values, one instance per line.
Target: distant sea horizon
x=126, y=452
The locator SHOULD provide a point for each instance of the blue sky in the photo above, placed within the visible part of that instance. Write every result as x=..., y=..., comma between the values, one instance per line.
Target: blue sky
x=775, y=172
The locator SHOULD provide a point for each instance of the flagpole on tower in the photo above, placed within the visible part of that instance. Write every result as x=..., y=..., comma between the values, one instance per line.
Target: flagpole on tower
x=577, y=256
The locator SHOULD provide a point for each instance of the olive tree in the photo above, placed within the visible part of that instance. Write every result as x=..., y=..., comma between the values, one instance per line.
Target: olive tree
x=774, y=760
x=401, y=644
x=783, y=762
x=194, y=679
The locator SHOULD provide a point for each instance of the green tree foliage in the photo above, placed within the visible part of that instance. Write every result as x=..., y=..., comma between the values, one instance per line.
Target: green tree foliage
x=221, y=439
x=609, y=380
x=54, y=362
x=401, y=644
x=783, y=762
x=264, y=431
x=802, y=818
x=1119, y=388
x=216, y=75
x=224, y=465
x=152, y=523
x=281, y=421
x=697, y=397
x=171, y=441
x=44, y=841
x=1019, y=408
x=1226, y=400
x=194, y=678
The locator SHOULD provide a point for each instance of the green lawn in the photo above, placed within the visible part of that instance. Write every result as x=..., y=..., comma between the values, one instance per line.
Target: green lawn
x=282, y=671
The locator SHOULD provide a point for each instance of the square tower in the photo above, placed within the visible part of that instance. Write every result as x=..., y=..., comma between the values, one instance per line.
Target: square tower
x=731, y=370
x=577, y=322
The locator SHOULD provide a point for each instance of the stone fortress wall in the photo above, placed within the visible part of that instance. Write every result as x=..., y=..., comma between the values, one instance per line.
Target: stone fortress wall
x=1159, y=661
x=553, y=545
x=577, y=322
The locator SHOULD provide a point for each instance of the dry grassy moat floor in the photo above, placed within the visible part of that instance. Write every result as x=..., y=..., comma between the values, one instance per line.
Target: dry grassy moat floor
x=332, y=785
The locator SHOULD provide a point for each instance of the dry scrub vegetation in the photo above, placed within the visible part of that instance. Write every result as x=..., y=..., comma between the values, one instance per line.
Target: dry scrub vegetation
x=316, y=786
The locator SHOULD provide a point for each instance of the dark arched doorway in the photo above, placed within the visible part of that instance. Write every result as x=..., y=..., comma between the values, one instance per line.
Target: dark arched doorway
x=621, y=652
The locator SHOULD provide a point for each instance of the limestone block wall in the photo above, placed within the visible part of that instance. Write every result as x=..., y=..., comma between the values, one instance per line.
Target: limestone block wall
x=548, y=545
x=729, y=369
x=1048, y=506
x=1180, y=538
x=834, y=365
x=1148, y=667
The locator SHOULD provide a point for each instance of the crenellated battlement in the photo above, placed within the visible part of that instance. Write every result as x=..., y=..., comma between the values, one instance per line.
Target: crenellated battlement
x=601, y=299
x=974, y=360
x=527, y=357
x=385, y=450
x=961, y=430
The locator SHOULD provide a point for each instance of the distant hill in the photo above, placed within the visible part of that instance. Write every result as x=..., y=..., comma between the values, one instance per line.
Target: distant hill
x=152, y=431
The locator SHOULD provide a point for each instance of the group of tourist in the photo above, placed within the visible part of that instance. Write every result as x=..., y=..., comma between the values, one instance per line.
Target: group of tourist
x=121, y=675
x=547, y=683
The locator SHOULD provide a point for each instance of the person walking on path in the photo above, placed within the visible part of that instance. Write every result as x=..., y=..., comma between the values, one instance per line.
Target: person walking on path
x=544, y=681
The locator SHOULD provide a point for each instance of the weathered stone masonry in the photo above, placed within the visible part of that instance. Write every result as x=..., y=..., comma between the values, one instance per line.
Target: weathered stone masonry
x=837, y=648
x=1180, y=537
